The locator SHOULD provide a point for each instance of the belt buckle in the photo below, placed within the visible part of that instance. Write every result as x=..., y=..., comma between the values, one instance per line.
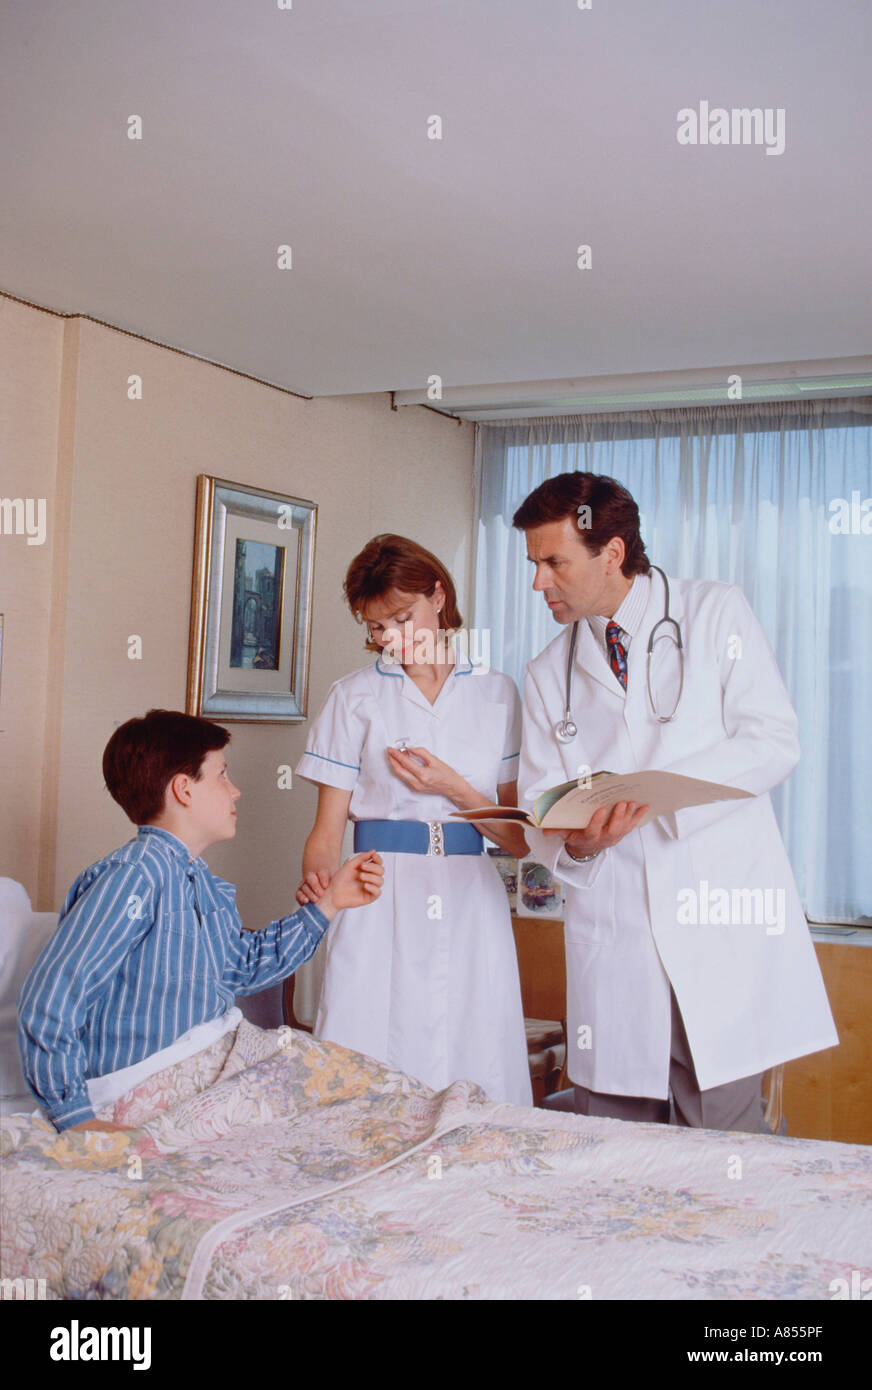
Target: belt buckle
x=437, y=837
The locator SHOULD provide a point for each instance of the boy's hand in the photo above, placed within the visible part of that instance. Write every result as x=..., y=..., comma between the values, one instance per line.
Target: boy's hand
x=102, y=1124
x=313, y=887
x=358, y=882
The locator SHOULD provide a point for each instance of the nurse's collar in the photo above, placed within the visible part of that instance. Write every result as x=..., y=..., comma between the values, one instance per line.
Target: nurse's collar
x=462, y=666
x=392, y=670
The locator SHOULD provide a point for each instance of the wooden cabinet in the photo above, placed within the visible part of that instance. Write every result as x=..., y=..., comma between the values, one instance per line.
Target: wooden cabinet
x=542, y=966
x=828, y=1095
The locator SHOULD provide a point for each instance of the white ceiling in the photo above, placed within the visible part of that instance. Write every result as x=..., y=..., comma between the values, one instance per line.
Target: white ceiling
x=412, y=257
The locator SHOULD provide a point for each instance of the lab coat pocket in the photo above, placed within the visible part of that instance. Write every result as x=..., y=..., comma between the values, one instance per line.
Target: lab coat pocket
x=591, y=912
x=740, y=873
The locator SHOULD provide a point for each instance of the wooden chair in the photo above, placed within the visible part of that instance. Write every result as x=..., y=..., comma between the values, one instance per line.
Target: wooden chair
x=546, y=1051
x=773, y=1098
x=288, y=1007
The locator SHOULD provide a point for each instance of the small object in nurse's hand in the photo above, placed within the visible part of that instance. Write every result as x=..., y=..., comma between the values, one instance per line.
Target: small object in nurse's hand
x=401, y=745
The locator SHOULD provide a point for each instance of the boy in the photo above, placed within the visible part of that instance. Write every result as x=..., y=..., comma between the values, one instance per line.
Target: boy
x=149, y=944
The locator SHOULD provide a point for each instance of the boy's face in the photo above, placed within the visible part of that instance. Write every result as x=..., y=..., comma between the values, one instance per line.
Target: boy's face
x=213, y=800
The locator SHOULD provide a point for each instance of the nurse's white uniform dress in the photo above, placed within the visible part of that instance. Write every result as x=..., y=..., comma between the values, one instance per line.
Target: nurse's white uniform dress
x=424, y=979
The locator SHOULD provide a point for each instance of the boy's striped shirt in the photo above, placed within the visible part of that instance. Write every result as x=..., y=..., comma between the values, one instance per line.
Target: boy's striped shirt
x=149, y=944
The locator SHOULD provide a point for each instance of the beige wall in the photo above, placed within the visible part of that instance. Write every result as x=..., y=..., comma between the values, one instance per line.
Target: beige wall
x=31, y=346
x=119, y=556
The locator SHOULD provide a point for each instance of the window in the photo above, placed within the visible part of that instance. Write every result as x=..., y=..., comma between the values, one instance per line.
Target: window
x=774, y=498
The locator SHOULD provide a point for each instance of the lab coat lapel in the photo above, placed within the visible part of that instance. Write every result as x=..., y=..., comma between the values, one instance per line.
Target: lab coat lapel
x=591, y=659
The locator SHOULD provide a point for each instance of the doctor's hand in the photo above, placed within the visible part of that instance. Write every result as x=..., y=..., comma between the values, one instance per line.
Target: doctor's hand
x=424, y=772
x=606, y=827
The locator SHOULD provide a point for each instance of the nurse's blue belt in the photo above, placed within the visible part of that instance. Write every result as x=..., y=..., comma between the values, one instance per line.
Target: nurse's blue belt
x=417, y=837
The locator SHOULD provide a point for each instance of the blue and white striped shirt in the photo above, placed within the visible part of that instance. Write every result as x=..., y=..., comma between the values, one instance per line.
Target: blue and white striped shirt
x=149, y=944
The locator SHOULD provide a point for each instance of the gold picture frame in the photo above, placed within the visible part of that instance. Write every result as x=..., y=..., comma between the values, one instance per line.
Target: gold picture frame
x=251, y=604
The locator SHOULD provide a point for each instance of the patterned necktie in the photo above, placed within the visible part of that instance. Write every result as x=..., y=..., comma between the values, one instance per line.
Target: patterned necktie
x=617, y=653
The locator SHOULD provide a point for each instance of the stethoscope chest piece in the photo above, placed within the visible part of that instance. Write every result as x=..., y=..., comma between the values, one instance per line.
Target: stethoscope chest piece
x=566, y=729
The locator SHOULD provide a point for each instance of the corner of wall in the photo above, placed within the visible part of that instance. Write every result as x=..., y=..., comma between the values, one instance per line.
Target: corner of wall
x=54, y=710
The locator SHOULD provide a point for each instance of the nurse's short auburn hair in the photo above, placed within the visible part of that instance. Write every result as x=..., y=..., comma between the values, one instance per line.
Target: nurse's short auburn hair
x=613, y=512
x=394, y=562
x=144, y=755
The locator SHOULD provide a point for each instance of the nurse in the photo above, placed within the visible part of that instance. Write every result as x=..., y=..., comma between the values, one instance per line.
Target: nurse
x=425, y=979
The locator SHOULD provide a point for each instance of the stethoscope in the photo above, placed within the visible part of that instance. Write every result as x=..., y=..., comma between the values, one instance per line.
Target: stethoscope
x=565, y=730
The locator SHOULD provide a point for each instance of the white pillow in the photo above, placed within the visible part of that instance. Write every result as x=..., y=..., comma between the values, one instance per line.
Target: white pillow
x=23, y=934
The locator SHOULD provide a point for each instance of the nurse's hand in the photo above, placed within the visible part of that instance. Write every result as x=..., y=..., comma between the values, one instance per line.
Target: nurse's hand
x=312, y=888
x=606, y=827
x=424, y=772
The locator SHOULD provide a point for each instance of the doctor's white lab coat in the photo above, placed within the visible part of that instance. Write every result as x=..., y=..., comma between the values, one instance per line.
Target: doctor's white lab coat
x=646, y=912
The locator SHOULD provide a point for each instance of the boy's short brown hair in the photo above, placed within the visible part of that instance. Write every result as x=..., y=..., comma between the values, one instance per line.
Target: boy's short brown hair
x=144, y=755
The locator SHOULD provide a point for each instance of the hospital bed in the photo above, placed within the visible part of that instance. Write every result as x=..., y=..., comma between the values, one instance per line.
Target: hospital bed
x=294, y=1168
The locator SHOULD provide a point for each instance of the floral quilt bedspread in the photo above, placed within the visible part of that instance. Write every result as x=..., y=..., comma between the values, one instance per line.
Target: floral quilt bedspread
x=275, y=1166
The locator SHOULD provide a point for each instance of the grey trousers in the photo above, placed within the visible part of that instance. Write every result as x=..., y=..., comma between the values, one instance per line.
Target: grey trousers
x=737, y=1105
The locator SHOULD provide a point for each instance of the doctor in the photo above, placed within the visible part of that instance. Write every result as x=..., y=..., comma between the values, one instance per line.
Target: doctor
x=690, y=968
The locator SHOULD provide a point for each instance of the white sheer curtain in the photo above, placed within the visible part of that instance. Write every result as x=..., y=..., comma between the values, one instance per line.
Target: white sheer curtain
x=744, y=494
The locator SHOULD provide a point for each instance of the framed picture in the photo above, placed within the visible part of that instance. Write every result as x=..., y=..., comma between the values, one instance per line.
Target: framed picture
x=251, y=604
x=540, y=894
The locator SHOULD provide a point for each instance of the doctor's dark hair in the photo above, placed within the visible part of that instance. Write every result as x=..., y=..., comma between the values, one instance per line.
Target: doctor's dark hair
x=613, y=512
x=144, y=755
x=394, y=562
